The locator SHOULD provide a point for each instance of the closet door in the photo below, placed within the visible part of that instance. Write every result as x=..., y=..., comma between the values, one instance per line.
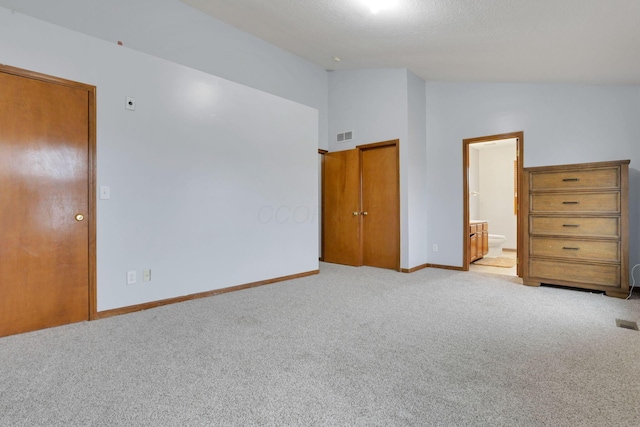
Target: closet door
x=380, y=206
x=341, y=208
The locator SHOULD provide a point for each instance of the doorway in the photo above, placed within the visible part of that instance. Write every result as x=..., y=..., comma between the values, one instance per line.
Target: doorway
x=47, y=202
x=361, y=206
x=495, y=230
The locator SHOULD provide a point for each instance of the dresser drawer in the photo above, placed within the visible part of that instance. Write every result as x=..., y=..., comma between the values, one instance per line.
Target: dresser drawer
x=594, y=250
x=576, y=202
x=575, y=226
x=605, y=275
x=578, y=179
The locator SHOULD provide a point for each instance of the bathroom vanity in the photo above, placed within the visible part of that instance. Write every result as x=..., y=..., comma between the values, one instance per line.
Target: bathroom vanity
x=478, y=240
x=576, y=226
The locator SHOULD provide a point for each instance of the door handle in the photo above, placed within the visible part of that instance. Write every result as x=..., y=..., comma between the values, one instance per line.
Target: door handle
x=365, y=213
x=356, y=213
x=79, y=217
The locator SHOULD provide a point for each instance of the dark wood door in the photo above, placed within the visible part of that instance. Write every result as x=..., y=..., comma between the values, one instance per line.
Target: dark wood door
x=44, y=187
x=380, y=206
x=341, y=189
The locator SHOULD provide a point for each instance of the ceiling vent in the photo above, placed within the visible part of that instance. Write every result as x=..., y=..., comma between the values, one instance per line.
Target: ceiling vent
x=344, y=136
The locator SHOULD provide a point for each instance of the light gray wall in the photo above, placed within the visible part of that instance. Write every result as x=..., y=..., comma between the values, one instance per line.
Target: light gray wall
x=172, y=30
x=371, y=103
x=213, y=184
x=562, y=124
x=416, y=162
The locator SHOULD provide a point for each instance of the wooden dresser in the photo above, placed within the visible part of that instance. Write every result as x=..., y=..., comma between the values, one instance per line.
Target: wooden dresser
x=576, y=233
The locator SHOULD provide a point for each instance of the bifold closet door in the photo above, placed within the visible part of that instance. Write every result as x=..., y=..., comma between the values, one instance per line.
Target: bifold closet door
x=341, y=208
x=380, y=207
x=361, y=209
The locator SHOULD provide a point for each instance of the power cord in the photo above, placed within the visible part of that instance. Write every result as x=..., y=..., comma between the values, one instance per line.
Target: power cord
x=633, y=281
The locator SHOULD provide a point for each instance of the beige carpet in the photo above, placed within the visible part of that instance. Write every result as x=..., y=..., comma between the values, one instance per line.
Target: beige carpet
x=496, y=262
x=357, y=347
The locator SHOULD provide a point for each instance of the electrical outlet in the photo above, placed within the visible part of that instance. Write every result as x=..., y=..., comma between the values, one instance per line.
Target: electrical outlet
x=131, y=277
x=435, y=248
x=146, y=275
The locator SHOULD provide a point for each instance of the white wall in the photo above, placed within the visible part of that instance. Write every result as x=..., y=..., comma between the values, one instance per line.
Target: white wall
x=496, y=191
x=561, y=123
x=213, y=184
x=172, y=30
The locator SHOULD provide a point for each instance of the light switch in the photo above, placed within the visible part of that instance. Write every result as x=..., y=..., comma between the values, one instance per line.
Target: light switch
x=105, y=192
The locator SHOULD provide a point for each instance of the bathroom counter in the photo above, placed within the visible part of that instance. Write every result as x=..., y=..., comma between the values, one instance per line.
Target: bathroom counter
x=478, y=239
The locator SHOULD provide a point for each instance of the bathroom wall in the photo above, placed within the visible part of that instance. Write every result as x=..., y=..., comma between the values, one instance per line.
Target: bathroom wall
x=496, y=191
x=474, y=183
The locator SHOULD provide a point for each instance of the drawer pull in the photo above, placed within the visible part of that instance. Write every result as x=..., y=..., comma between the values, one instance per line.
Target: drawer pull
x=570, y=203
x=571, y=225
x=570, y=248
x=571, y=179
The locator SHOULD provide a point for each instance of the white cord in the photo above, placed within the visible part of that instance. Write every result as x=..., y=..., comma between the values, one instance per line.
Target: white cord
x=633, y=281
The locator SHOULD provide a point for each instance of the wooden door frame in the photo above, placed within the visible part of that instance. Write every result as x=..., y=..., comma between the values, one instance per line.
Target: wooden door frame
x=390, y=143
x=321, y=208
x=465, y=192
x=91, y=243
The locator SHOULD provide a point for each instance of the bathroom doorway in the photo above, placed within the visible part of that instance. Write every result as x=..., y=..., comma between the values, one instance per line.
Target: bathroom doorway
x=491, y=184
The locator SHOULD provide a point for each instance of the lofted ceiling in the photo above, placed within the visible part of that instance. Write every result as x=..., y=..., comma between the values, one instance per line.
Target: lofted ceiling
x=585, y=41
x=553, y=41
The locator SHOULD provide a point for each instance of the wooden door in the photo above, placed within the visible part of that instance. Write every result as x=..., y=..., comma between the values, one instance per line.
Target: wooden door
x=45, y=176
x=380, y=206
x=341, y=208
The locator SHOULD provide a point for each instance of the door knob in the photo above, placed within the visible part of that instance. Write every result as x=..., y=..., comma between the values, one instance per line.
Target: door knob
x=79, y=217
x=365, y=213
x=356, y=213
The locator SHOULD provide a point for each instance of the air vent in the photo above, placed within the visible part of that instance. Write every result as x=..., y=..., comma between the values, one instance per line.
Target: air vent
x=627, y=324
x=344, y=136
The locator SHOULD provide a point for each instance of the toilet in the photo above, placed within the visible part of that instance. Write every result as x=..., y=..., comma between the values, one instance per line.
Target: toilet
x=495, y=244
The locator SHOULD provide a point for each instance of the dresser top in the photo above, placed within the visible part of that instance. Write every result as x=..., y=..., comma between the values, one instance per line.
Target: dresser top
x=578, y=166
